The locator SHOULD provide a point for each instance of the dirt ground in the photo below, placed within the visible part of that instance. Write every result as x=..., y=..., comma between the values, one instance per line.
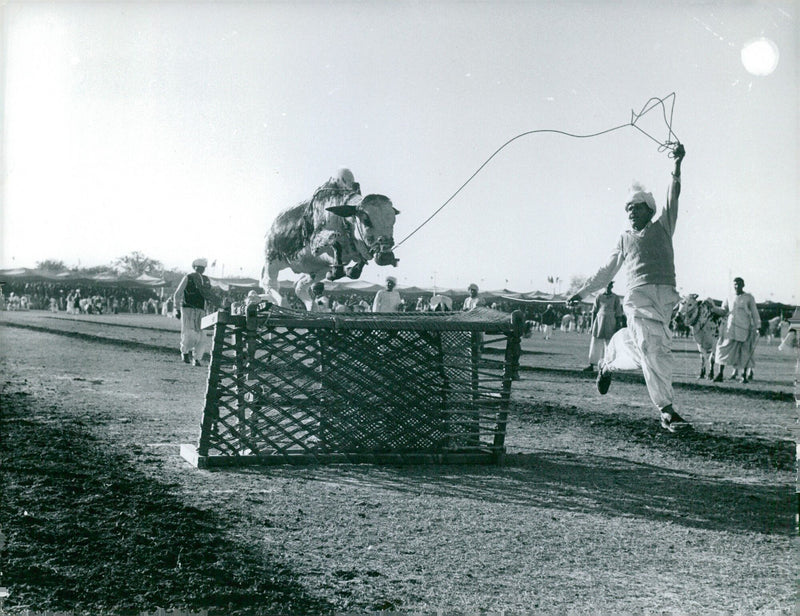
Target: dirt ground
x=597, y=510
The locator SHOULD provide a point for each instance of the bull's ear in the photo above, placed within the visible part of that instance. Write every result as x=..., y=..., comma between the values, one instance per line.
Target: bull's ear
x=396, y=211
x=344, y=211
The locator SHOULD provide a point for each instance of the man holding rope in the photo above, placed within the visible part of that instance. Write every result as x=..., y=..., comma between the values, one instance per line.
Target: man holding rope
x=647, y=252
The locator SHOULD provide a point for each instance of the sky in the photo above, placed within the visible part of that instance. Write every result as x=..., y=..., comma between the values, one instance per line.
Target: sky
x=181, y=129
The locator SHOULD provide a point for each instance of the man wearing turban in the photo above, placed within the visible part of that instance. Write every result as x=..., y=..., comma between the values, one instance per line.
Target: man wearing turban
x=192, y=296
x=472, y=301
x=387, y=300
x=646, y=250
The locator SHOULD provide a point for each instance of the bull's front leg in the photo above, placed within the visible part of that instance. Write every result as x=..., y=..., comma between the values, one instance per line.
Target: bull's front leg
x=337, y=267
x=702, y=365
x=354, y=271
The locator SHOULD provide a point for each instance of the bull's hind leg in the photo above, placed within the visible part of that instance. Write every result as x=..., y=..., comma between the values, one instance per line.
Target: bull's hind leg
x=703, y=357
x=269, y=281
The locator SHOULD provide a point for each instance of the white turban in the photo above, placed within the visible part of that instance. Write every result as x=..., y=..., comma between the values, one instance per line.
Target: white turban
x=345, y=179
x=391, y=279
x=638, y=194
x=200, y=263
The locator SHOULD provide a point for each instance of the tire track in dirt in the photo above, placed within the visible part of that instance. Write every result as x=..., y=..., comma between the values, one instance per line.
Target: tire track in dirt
x=132, y=344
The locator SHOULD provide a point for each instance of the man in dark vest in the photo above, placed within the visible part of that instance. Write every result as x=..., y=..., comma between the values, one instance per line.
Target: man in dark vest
x=191, y=297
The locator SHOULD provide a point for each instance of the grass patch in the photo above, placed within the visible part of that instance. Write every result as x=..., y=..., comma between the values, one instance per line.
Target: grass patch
x=87, y=532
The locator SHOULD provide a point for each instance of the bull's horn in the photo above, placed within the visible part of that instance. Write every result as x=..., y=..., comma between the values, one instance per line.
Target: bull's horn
x=343, y=210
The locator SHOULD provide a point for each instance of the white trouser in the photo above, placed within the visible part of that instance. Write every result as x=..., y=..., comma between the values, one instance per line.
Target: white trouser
x=192, y=337
x=597, y=348
x=644, y=344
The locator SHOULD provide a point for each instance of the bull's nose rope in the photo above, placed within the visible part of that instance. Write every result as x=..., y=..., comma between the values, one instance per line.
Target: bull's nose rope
x=671, y=142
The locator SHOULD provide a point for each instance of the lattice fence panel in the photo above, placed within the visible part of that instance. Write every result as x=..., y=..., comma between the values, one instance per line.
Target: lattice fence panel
x=286, y=387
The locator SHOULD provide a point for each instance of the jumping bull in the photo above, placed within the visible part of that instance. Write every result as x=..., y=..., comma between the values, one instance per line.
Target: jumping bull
x=333, y=234
x=703, y=318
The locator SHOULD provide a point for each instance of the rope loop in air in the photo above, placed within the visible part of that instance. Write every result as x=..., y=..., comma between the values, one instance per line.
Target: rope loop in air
x=671, y=143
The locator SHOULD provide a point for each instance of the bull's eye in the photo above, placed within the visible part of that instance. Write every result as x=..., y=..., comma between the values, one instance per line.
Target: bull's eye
x=367, y=222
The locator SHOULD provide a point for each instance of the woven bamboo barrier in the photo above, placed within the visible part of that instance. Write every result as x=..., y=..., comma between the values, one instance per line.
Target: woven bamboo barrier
x=292, y=387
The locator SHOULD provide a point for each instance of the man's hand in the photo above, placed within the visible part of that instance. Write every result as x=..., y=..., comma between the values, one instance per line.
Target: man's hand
x=679, y=152
x=177, y=314
x=574, y=299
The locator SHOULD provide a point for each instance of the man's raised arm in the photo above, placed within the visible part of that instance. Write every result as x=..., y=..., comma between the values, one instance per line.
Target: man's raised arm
x=670, y=214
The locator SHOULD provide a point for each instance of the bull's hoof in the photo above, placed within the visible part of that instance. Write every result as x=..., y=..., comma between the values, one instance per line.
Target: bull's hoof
x=386, y=258
x=336, y=272
x=354, y=271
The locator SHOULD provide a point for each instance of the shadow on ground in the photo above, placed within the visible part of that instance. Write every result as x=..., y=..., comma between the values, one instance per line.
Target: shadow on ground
x=87, y=532
x=612, y=486
x=600, y=485
x=745, y=451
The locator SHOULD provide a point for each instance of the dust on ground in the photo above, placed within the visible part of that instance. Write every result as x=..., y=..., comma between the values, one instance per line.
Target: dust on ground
x=597, y=509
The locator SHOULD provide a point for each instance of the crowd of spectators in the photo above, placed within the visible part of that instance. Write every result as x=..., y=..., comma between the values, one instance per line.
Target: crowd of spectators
x=84, y=299
x=91, y=299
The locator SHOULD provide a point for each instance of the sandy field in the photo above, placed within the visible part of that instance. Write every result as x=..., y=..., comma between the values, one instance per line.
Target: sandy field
x=597, y=510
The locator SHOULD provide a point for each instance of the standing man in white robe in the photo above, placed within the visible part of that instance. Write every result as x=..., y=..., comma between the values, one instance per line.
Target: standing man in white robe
x=387, y=300
x=737, y=346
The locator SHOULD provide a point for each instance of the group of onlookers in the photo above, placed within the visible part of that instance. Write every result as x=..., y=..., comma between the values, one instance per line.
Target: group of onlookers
x=83, y=300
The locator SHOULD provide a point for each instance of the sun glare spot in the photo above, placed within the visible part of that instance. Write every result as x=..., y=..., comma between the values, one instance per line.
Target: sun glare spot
x=760, y=56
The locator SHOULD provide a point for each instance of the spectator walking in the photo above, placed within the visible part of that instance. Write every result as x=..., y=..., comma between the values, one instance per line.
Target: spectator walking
x=773, y=329
x=737, y=345
x=387, y=300
x=194, y=295
x=648, y=254
x=606, y=312
x=549, y=319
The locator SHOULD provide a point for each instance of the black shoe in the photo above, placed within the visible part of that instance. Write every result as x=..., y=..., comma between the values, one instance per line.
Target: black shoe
x=718, y=378
x=186, y=359
x=603, y=380
x=673, y=422
x=589, y=368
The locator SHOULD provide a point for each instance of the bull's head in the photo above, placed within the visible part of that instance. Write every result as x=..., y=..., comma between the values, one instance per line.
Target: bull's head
x=689, y=307
x=374, y=218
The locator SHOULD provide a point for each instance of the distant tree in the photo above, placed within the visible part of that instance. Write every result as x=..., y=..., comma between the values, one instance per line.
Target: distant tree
x=575, y=283
x=52, y=265
x=97, y=269
x=136, y=264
